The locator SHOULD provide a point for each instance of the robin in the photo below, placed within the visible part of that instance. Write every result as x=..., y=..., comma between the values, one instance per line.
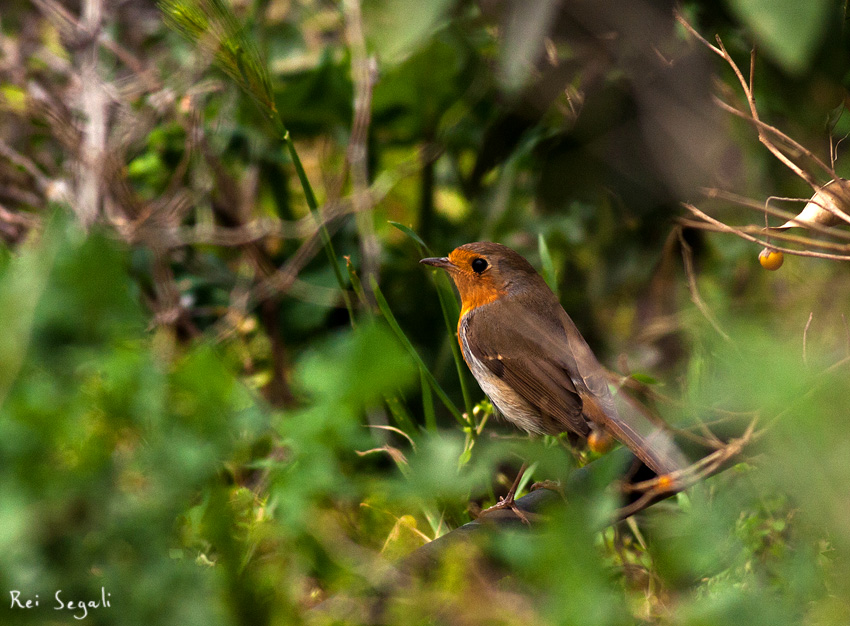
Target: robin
x=532, y=362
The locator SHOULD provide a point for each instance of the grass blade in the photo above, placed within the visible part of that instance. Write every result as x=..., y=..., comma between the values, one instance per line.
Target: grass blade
x=451, y=312
x=356, y=285
x=412, y=234
x=548, y=265
x=391, y=320
x=213, y=27
x=400, y=414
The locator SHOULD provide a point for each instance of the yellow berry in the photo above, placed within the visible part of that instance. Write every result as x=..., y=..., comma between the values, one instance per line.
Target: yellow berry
x=771, y=259
x=665, y=482
x=600, y=442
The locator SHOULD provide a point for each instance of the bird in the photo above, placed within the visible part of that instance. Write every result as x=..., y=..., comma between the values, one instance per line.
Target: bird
x=532, y=362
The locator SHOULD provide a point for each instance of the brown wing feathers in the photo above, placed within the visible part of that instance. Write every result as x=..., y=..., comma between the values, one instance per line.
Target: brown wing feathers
x=527, y=370
x=563, y=380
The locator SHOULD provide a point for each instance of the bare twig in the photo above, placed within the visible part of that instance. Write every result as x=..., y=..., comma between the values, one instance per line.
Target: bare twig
x=93, y=104
x=687, y=257
x=805, y=338
x=362, y=73
x=746, y=86
x=721, y=227
x=663, y=486
x=681, y=19
x=167, y=303
x=766, y=208
x=26, y=164
x=758, y=230
x=759, y=126
x=767, y=128
x=71, y=27
x=811, y=224
x=783, y=148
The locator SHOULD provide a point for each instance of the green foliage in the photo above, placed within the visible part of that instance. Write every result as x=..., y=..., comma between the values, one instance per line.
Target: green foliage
x=104, y=443
x=548, y=270
x=396, y=28
x=212, y=26
x=426, y=373
x=789, y=31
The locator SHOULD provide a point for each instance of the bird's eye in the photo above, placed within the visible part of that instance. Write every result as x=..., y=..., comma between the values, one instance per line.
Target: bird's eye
x=479, y=265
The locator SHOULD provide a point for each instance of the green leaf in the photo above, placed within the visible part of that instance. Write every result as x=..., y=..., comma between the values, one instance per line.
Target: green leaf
x=13, y=98
x=147, y=164
x=412, y=234
x=788, y=30
x=399, y=412
x=357, y=285
x=548, y=265
x=395, y=29
x=21, y=289
x=644, y=379
x=360, y=368
x=391, y=320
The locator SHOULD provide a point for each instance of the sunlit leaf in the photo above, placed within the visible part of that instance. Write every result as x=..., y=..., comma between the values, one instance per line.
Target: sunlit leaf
x=789, y=30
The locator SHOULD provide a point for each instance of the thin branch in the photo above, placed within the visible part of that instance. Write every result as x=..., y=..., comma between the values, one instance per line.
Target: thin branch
x=687, y=257
x=806, y=337
x=362, y=73
x=658, y=488
x=680, y=18
x=66, y=23
x=752, y=67
x=769, y=136
x=721, y=227
x=761, y=126
x=753, y=117
x=26, y=164
x=713, y=192
x=798, y=222
x=93, y=103
x=781, y=235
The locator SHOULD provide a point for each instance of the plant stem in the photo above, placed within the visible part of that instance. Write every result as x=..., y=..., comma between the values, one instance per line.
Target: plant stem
x=458, y=359
x=314, y=209
x=391, y=320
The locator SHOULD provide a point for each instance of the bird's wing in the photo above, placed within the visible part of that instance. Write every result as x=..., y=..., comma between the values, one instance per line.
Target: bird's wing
x=552, y=368
x=527, y=367
x=653, y=445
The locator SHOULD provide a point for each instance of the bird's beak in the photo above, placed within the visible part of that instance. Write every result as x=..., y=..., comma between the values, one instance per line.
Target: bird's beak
x=442, y=262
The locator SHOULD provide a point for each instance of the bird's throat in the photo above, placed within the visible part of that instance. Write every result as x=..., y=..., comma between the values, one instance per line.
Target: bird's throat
x=476, y=296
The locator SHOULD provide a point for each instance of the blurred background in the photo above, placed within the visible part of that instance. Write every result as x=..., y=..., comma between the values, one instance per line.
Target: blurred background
x=230, y=395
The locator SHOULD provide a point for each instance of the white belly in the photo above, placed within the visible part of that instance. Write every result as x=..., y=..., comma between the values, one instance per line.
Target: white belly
x=508, y=402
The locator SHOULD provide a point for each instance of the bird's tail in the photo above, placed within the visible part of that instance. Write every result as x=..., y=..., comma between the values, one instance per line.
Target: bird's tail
x=651, y=443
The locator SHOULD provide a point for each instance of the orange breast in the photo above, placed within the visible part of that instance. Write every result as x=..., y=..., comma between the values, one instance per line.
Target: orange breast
x=475, y=296
x=472, y=297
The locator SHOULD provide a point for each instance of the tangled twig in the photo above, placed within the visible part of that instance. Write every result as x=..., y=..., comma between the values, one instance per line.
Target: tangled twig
x=828, y=199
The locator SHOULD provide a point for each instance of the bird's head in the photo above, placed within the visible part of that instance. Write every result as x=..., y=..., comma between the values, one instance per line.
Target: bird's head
x=485, y=271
